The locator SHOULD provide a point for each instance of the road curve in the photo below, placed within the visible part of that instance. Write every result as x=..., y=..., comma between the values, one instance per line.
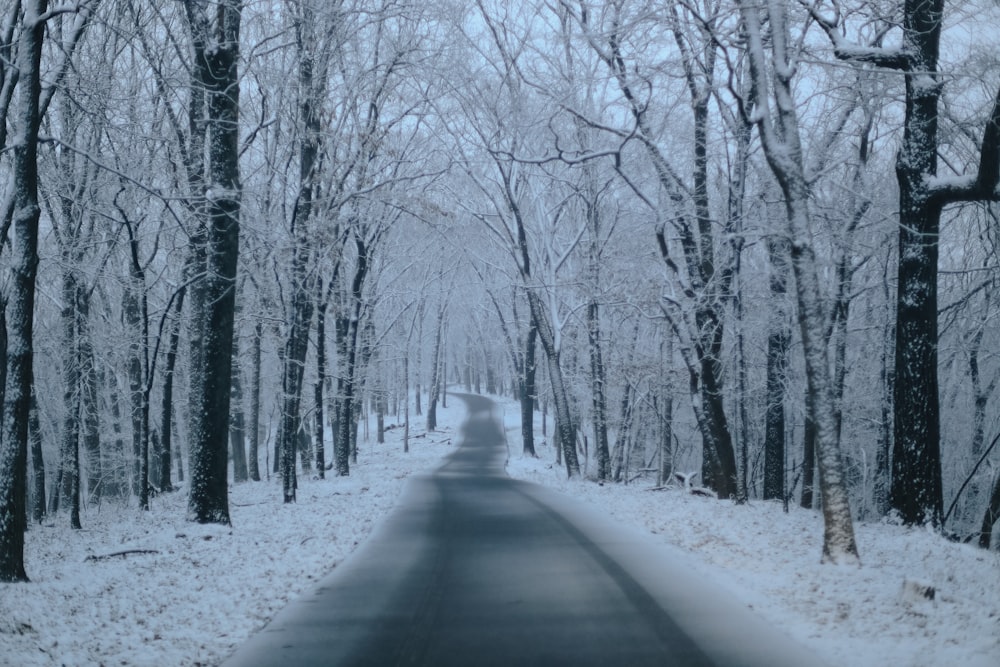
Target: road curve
x=474, y=568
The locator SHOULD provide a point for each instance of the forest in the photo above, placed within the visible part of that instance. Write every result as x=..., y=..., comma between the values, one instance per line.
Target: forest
x=750, y=245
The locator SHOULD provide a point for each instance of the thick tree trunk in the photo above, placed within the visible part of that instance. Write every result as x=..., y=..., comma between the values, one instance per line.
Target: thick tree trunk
x=19, y=315
x=916, y=491
x=216, y=56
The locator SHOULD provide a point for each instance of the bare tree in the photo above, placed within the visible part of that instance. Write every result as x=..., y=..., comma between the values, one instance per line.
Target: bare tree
x=777, y=122
x=916, y=487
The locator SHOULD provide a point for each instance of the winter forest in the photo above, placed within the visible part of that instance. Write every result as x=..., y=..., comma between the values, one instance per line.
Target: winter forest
x=753, y=244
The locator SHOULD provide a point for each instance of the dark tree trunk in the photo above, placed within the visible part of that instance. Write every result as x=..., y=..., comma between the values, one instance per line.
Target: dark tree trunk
x=566, y=430
x=294, y=359
x=343, y=449
x=136, y=313
x=37, y=461
x=435, y=384
x=598, y=391
x=991, y=516
x=70, y=446
x=529, y=392
x=665, y=410
x=253, y=464
x=216, y=56
x=778, y=340
x=916, y=491
x=167, y=394
x=19, y=309
x=318, y=398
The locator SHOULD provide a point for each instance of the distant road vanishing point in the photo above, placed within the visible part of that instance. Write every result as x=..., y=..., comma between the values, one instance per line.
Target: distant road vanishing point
x=474, y=568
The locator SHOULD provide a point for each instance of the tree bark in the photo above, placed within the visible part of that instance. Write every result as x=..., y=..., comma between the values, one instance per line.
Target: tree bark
x=991, y=516
x=528, y=392
x=318, y=398
x=167, y=395
x=253, y=464
x=70, y=445
x=37, y=460
x=778, y=340
x=435, y=384
x=216, y=56
x=19, y=309
x=237, y=426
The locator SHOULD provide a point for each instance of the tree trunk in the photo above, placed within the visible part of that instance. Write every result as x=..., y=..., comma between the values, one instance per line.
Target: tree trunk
x=37, y=460
x=19, y=309
x=216, y=56
x=253, y=464
x=666, y=413
x=344, y=449
x=318, y=398
x=167, y=394
x=778, y=340
x=528, y=393
x=237, y=427
x=70, y=445
x=566, y=431
x=783, y=150
x=435, y=383
x=598, y=383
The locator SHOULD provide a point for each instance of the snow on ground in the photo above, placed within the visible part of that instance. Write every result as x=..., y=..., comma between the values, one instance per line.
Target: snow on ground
x=207, y=588
x=769, y=560
x=203, y=589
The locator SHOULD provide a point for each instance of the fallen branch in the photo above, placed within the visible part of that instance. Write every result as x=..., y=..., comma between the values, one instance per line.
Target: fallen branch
x=97, y=557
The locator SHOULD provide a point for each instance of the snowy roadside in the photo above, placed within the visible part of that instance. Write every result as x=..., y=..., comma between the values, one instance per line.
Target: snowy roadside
x=769, y=561
x=200, y=590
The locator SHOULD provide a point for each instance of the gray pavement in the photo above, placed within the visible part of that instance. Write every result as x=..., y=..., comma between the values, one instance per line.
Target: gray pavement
x=474, y=568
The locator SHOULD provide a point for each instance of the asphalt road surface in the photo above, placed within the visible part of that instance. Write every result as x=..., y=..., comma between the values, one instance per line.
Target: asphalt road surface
x=474, y=568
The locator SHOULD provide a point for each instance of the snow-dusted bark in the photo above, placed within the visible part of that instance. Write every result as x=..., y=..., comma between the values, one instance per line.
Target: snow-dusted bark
x=780, y=137
x=20, y=299
x=215, y=33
